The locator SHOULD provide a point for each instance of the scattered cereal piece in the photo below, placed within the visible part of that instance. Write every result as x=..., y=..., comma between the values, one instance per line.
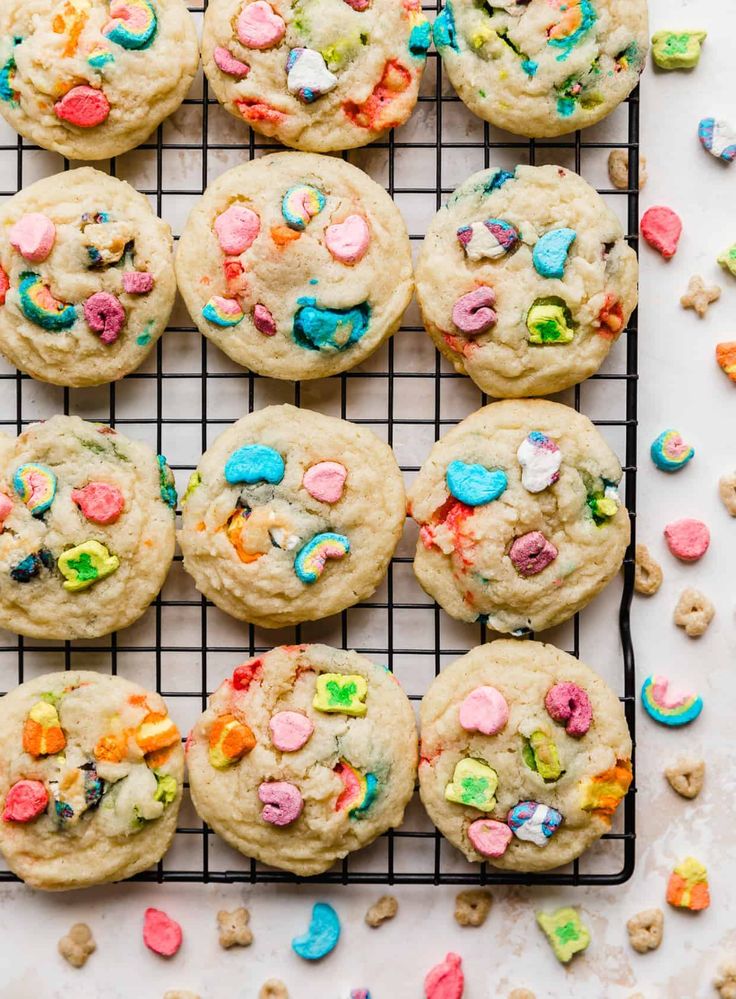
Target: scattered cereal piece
x=645, y=930
x=699, y=295
x=693, y=612
x=669, y=451
x=180, y=994
x=686, y=777
x=687, y=539
x=718, y=138
x=234, y=929
x=688, y=886
x=273, y=989
x=77, y=945
x=725, y=981
x=322, y=936
x=521, y=994
x=677, y=49
x=648, y=573
x=446, y=980
x=726, y=358
x=661, y=228
x=381, y=911
x=727, y=259
x=472, y=907
x=668, y=704
x=565, y=931
x=727, y=491
x=161, y=933
x=618, y=169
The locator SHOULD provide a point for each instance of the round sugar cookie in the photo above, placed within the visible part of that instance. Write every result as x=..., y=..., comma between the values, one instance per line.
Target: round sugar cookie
x=91, y=79
x=322, y=76
x=291, y=516
x=525, y=280
x=543, y=67
x=303, y=755
x=86, y=529
x=296, y=265
x=91, y=777
x=525, y=755
x=87, y=276
x=520, y=520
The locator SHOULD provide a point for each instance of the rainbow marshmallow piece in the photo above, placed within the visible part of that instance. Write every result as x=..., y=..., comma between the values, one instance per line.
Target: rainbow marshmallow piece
x=669, y=706
x=133, y=24
x=310, y=561
x=359, y=790
x=36, y=486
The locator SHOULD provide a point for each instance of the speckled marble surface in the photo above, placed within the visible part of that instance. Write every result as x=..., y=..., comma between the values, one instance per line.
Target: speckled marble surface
x=681, y=387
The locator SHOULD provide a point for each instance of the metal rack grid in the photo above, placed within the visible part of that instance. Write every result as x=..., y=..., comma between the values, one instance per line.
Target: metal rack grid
x=415, y=853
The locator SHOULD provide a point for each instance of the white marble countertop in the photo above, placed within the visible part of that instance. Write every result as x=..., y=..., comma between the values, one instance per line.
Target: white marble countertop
x=681, y=386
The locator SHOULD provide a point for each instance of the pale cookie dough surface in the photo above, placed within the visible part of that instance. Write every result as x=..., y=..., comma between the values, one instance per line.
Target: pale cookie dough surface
x=381, y=743
x=114, y=787
x=596, y=288
x=105, y=236
x=325, y=314
x=243, y=543
x=543, y=67
x=33, y=598
x=50, y=47
x=523, y=672
x=463, y=553
x=365, y=61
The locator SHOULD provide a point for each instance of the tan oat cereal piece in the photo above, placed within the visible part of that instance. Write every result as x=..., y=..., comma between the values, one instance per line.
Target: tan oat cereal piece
x=648, y=576
x=381, y=911
x=693, y=612
x=180, y=994
x=472, y=907
x=521, y=994
x=618, y=169
x=273, y=989
x=234, y=928
x=686, y=777
x=699, y=296
x=727, y=491
x=725, y=981
x=645, y=930
x=77, y=945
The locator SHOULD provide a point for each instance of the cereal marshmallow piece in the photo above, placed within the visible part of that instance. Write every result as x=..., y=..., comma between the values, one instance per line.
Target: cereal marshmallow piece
x=718, y=138
x=233, y=928
x=726, y=358
x=341, y=693
x=100, y=502
x=290, y=730
x=157, y=734
x=325, y=481
x=42, y=734
x=669, y=452
x=565, y=931
x=475, y=485
x=229, y=741
x=667, y=704
x=568, y=704
x=687, y=539
x=35, y=484
x=540, y=459
x=549, y=255
x=688, y=886
x=25, y=801
x=472, y=907
x=77, y=945
x=603, y=793
x=161, y=933
x=677, y=49
x=727, y=259
x=533, y=822
x=259, y=26
x=473, y=784
x=322, y=936
x=485, y=710
x=83, y=106
x=33, y=236
x=540, y=754
x=307, y=75
x=686, y=777
x=693, y=612
x=445, y=980
x=645, y=930
x=549, y=321
x=489, y=837
x=86, y=564
x=283, y=802
x=661, y=227
x=473, y=313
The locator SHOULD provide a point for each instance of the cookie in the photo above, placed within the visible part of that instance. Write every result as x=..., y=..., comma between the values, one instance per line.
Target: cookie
x=291, y=516
x=91, y=776
x=319, y=77
x=543, y=67
x=520, y=520
x=91, y=79
x=86, y=529
x=296, y=265
x=534, y=792
x=88, y=273
x=303, y=755
x=525, y=280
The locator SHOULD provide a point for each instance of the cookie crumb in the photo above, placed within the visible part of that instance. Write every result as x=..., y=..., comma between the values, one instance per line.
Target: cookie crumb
x=382, y=910
x=618, y=169
x=234, y=929
x=686, y=776
x=273, y=989
x=77, y=945
x=700, y=296
x=693, y=612
x=725, y=981
x=472, y=907
x=645, y=930
x=727, y=492
x=648, y=574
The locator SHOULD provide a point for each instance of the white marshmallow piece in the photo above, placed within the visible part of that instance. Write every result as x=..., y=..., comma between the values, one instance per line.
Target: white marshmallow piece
x=308, y=76
x=540, y=462
x=532, y=830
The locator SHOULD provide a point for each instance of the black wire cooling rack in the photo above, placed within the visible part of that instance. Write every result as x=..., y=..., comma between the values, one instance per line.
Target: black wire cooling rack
x=186, y=393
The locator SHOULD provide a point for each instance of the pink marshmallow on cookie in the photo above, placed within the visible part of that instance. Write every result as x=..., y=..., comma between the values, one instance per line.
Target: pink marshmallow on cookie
x=259, y=26
x=290, y=730
x=263, y=320
x=227, y=63
x=83, y=106
x=687, y=539
x=33, y=236
x=137, y=282
x=348, y=241
x=6, y=506
x=489, y=837
x=484, y=710
x=99, y=502
x=236, y=229
x=283, y=802
x=569, y=704
x=25, y=801
x=325, y=481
